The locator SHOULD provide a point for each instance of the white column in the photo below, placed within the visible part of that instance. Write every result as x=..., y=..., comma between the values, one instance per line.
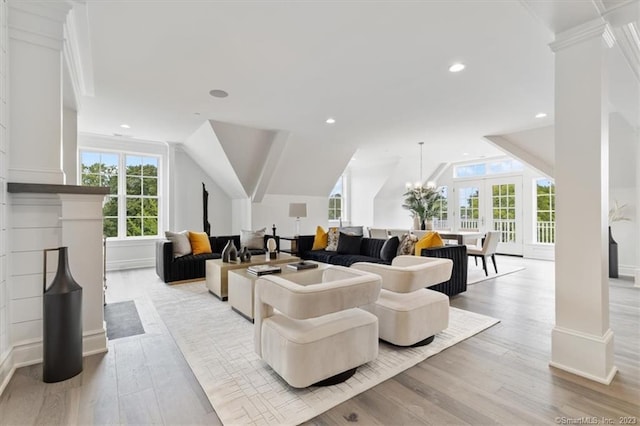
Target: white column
x=582, y=341
x=637, y=203
x=81, y=222
x=35, y=49
x=70, y=145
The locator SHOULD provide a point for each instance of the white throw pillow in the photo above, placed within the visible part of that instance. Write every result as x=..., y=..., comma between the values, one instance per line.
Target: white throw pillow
x=253, y=239
x=180, y=240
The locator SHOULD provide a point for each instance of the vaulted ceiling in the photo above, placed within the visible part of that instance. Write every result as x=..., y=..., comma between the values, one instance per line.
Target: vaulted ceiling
x=379, y=68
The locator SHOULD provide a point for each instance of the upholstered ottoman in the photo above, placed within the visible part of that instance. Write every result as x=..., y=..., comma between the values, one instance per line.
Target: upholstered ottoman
x=407, y=319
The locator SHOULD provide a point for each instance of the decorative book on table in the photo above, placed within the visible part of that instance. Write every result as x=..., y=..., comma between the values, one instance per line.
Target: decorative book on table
x=263, y=269
x=299, y=266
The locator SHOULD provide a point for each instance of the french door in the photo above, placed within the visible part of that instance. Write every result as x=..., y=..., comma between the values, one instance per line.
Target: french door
x=493, y=204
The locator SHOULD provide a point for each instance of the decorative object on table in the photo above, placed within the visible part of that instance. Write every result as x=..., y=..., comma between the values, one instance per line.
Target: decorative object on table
x=299, y=266
x=422, y=202
x=264, y=269
x=273, y=227
x=205, y=211
x=229, y=252
x=244, y=255
x=271, y=249
x=61, y=322
x=297, y=210
x=615, y=215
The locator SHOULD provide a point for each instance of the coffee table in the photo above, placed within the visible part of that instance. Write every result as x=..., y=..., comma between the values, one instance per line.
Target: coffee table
x=217, y=271
x=242, y=285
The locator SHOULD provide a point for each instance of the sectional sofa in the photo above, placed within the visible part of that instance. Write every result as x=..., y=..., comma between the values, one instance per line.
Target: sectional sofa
x=370, y=252
x=191, y=267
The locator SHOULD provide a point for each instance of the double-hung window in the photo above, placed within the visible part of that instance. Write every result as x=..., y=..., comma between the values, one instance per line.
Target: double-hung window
x=132, y=206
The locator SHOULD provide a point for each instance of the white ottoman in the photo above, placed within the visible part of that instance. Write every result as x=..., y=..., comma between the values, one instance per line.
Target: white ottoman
x=410, y=319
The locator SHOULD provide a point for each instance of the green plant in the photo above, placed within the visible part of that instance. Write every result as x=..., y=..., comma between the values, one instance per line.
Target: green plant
x=616, y=213
x=422, y=202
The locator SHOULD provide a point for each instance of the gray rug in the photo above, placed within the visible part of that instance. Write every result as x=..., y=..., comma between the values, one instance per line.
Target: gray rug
x=122, y=320
x=218, y=345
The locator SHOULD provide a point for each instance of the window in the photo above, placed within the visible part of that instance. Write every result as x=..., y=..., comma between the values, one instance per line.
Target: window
x=546, y=211
x=131, y=208
x=489, y=168
x=337, y=201
x=469, y=208
x=440, y=221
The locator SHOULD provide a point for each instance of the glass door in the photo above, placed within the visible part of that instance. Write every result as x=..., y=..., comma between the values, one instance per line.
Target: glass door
x=492, y=205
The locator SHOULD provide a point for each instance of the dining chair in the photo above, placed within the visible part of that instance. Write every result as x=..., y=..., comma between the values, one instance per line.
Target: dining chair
x=488, y=248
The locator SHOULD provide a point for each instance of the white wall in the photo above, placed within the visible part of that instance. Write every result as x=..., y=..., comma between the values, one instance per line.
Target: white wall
x=70, y=145
x=5, y=349
x=364, y=181
x=186, y=181
x=274, y=209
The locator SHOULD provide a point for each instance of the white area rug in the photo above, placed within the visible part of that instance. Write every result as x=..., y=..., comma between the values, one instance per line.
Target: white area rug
x=218, y=345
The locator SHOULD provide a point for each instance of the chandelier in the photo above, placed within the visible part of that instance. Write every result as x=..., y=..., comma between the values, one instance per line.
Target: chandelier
x=420, y=184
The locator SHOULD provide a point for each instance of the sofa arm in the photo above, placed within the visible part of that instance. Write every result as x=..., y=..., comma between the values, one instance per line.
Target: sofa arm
x=164, y=257
x=305, y=244
x=457, y=253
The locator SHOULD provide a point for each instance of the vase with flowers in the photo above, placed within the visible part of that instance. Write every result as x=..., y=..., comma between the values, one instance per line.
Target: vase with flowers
x=423, y=203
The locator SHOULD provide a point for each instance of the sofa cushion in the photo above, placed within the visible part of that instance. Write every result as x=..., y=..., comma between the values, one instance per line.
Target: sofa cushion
x=350, y=259
x=321, y=239
x=430, y=239
x=371, y=247
x=352, y=230
x=196, y=257
x=332, y=239
x=199, y=242
x=252, y=239
x=349, y=244
x=181, y=244
x=407, y=245
x=320, y=255
x=389, y=249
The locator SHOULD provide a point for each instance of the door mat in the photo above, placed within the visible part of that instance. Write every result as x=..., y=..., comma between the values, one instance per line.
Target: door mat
x=122, y=320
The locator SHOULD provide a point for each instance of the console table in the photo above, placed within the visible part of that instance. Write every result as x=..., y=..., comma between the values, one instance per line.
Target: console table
x=217, y=271
x=293, y=249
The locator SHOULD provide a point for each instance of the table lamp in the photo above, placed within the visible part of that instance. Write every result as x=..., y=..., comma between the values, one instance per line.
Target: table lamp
x=297, y=210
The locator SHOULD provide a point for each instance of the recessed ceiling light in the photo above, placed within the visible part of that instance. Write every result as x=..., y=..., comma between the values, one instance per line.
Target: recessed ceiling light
x=456, y=67
x=125, y=126
x=330, y=120
x=217, y=93
x=465, y=153
x=541, y=115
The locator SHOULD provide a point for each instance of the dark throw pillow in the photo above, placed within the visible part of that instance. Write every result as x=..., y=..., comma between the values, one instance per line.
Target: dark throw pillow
x=389, y=249
x=349, y=244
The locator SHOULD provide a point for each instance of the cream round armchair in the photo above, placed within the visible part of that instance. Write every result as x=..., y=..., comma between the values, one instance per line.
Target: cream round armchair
x=315, y=334
x=408, y=313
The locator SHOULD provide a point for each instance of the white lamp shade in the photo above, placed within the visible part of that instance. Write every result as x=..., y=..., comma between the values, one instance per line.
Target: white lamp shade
x=297, y=209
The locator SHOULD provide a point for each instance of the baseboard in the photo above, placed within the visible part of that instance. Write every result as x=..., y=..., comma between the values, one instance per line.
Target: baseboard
x=628, y=271
x=120, y=265
x=6, y=370
x=587, y=355
x=30, y=352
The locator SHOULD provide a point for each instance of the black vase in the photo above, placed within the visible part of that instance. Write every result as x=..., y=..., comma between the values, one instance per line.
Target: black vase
x=62, y=323
x=613, y=256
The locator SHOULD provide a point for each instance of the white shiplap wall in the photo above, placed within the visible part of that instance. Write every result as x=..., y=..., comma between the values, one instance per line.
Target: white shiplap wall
x=4, y=296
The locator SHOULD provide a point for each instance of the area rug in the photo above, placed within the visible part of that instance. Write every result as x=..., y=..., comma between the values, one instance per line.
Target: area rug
x=218, y=346
x=475, y=274
x=122, y=320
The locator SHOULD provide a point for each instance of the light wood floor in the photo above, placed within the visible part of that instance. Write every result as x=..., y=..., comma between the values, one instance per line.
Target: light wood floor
x=500, y=376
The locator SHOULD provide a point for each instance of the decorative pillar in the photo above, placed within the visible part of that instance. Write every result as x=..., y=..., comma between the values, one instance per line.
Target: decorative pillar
x=35, y=49
x=582, y=341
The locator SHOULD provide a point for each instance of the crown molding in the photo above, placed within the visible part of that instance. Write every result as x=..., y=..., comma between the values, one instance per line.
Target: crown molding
x=595, y=28
x=77, y=51
x=38, y=23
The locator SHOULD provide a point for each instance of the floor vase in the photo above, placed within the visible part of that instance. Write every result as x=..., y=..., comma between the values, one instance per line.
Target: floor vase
x=62, y=323
x=613, y=256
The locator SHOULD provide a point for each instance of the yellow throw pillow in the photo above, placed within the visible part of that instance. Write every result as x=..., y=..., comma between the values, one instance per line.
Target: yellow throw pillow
x=199, y=242
x=321, y=240
x=430, y=239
